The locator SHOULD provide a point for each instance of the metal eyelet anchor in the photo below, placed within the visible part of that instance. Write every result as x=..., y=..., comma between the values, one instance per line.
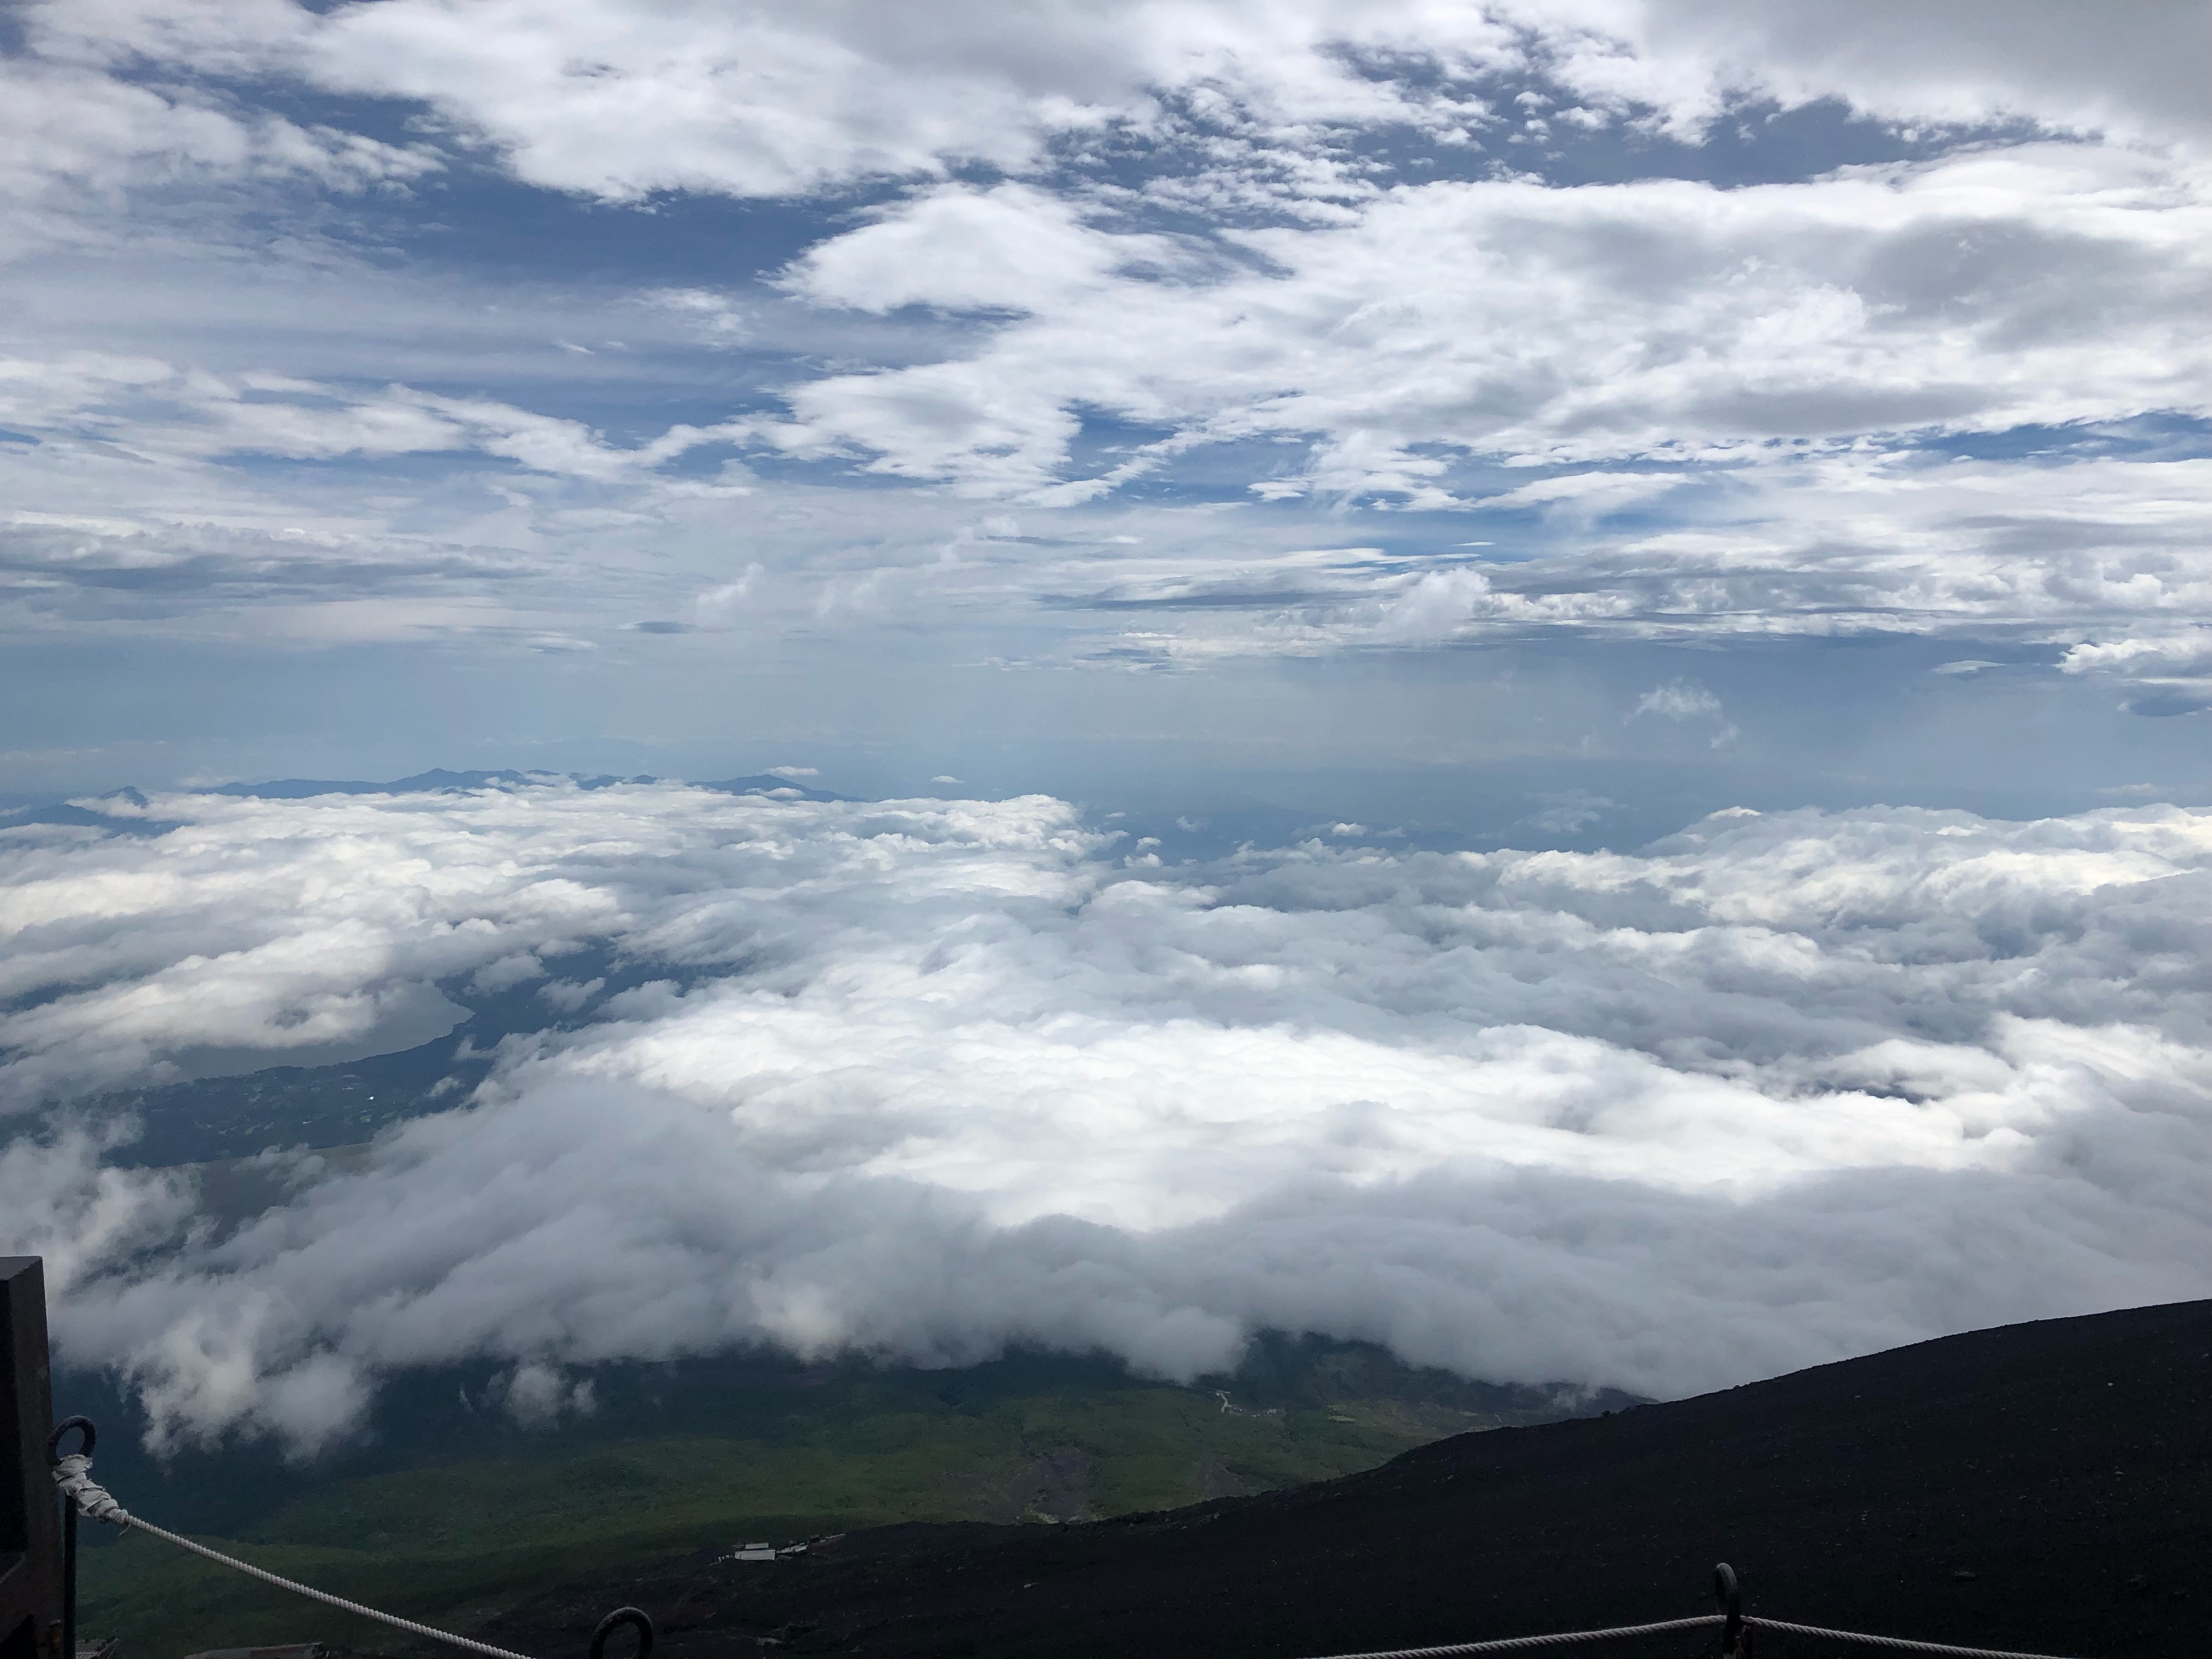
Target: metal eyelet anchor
x=613, y=1621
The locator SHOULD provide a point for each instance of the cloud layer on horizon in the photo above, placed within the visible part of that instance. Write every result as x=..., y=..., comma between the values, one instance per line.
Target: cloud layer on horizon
x=923, y=1078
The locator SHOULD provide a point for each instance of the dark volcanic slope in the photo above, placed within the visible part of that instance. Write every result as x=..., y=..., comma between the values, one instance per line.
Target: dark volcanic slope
x=2046, y=1487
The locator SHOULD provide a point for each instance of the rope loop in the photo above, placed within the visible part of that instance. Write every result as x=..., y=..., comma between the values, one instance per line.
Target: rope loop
x=73, y=1477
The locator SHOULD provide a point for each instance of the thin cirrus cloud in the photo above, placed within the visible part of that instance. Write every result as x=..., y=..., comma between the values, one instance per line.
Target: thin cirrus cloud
x=73, y=137
x=923, y=1078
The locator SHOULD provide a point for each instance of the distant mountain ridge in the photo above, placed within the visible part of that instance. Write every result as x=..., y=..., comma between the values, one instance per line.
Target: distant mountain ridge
x=69, y=815
x=438, y=779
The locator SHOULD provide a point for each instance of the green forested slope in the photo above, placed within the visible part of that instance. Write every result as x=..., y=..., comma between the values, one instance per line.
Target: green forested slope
x=451, y=1538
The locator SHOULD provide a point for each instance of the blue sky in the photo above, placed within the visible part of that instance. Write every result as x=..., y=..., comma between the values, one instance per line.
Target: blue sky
x=1367, y=408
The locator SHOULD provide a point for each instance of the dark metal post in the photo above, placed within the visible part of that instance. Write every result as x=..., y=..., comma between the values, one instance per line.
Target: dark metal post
x=83, y=1425
x=1728, y=1593
x=30, y=1529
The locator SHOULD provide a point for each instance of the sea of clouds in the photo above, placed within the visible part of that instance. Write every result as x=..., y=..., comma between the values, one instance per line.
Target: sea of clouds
x=923, y=1078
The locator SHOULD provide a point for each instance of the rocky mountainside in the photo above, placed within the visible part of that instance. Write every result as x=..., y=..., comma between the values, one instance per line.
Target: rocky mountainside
x=2045, y=1486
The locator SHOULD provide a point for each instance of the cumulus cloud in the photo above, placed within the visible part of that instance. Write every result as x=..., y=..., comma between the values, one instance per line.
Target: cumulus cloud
x=1980, y=291
x=924, y=1077
x=2170, y=673
x=58, y=1201
x=1939, y=63
x=779, y=99
x=1156, y=241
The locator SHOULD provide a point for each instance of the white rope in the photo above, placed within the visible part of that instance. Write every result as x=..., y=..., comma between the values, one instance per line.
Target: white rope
x=325, y=1596
x=1890, y=1641
x=1509, y=1641
x=1504, y=1643
x=72, y=1475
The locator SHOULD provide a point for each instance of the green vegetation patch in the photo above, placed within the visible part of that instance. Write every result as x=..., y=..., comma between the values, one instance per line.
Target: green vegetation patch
x=453, y=1541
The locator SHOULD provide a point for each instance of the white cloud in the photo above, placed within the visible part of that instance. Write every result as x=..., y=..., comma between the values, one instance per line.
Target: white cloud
x=2178, y=656
x=1570, y=812
x=722, y=318
x=248, y=504
x=2066, y=551
x=537, y=1395
x=1824, y=543
x=1993, y=286
x=58, y=1202
x=1677, y=700
x=2052, y=63
x=1010, y=248
x=1681, y=700
x=620, y=101
x=1660, y=347
x=930, y=1077
x=946, y=1075
x=795, y=771
x=2038, y=284
x=1587, y=493
x=2168, y=674
x=76, y=573
x=184, y=413
x=71, y=135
